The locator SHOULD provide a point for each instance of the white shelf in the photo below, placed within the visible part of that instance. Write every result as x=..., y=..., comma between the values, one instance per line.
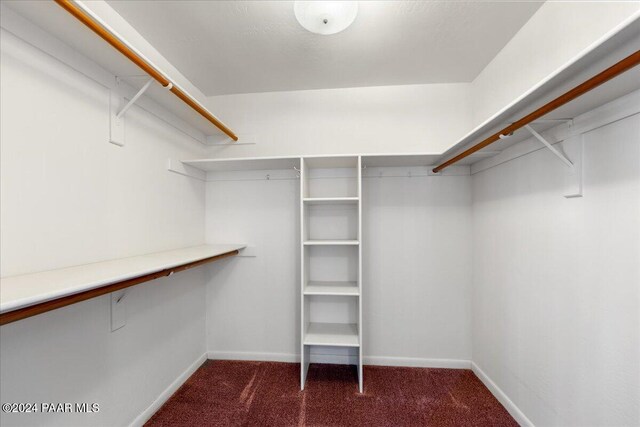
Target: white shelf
x=245, y=164
x=331, y=242
x=328, y=162
x=399, y=160
x=332, y=288
x=330, y=200
x=332, y=334
x=29, y=289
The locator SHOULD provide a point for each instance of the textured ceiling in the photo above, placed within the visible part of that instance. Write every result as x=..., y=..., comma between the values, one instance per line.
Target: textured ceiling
x=228, y=47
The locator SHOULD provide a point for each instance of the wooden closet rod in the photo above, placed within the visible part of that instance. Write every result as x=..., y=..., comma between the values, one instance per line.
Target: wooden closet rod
x=119, y=45
x=595, y=81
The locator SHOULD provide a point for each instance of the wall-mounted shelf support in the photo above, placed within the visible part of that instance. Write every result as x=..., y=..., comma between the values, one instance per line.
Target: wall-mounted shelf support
x=116, y=124
x=573, y=147
x=116, y=113
x=550, y=146
x=180, y=168
x=134, y=99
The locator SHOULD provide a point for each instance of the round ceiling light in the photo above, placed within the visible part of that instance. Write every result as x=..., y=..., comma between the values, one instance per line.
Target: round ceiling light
x=325, y=17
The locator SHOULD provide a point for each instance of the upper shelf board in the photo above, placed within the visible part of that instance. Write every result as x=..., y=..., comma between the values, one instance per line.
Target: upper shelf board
x=247, y=163
x=413, y=159
x=329, y=162
x=29, y=289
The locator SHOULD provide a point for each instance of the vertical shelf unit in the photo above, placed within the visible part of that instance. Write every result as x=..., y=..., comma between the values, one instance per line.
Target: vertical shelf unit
x=331, y=258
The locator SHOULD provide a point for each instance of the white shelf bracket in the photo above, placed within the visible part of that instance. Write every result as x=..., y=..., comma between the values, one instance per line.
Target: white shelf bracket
x=550, y=146
x=116, y=113
x=180, y=168
x=116, y=124
x=134, y=99
x=573, y=147
x=249, y=251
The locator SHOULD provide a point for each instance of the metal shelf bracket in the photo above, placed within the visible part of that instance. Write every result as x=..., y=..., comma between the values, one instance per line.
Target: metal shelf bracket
x=572, y=146
x=134, y=99
x=116, y=114
x=550, y=146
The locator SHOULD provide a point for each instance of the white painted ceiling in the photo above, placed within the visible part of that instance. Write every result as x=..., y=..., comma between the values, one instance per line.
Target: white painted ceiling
x=227, y=47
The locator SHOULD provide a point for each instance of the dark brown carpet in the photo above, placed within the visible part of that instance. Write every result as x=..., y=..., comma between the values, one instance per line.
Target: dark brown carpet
x=234, y=393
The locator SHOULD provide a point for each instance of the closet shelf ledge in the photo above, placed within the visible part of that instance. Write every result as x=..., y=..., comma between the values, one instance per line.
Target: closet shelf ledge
x=30, y=294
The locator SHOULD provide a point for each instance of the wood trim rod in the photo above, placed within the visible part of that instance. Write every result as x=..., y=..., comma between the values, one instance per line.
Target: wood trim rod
x=71, y=7
x=615, y=70
x=43, y=307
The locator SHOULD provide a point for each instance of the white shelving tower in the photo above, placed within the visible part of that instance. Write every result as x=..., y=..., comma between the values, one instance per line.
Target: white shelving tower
x=331, y=258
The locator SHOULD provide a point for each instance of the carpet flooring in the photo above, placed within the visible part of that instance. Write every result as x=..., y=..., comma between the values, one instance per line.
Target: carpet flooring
x=240, y=393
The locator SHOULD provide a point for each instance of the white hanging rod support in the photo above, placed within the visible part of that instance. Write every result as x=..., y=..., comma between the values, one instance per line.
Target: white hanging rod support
x=134, y=99
x=549, y=146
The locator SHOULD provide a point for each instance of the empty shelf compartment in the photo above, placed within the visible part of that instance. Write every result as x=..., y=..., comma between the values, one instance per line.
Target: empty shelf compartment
x=330, y=200
x=332, y=334
x=330, y=242
x=332, y=288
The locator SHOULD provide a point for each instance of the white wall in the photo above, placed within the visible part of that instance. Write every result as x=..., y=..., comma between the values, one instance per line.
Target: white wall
x=253, y=303
x=416, y=277
x=556, y=34
x=556, y=282
x=70, y=197
x=388, y=119
x=417, y=268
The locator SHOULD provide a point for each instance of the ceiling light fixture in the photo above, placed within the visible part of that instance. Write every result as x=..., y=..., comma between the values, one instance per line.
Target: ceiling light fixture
x=325, y=17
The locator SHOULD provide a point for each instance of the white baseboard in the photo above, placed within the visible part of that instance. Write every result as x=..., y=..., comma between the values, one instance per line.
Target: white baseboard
x=256, y=356
x=511, y=407
x=343, y=359
x=339, y=359
x=167, y=393
x=418, y=362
